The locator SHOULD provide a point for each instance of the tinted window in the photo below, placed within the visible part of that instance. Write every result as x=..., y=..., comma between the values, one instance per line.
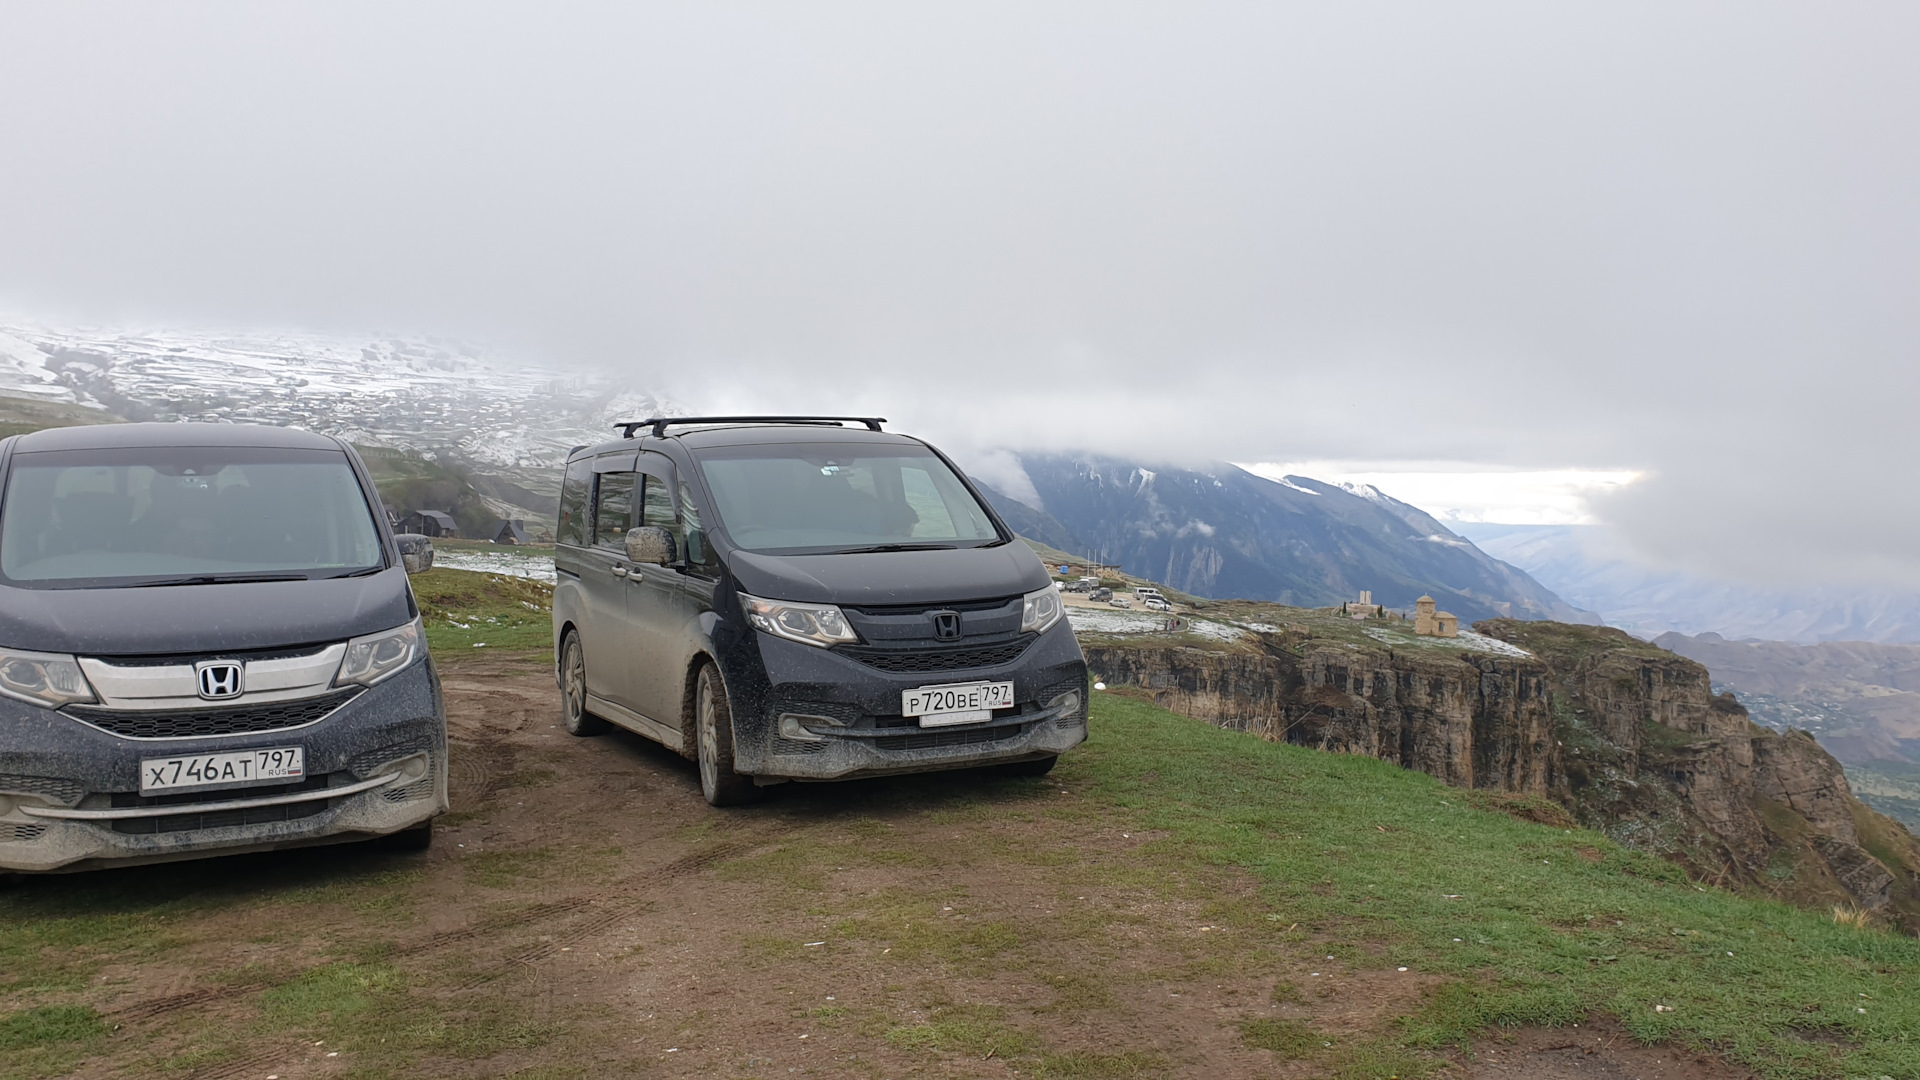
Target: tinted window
x=697, y=552
x=823, y=498
x=613, y=510
x=657, y=508
x=168, y=515
x=574, y=494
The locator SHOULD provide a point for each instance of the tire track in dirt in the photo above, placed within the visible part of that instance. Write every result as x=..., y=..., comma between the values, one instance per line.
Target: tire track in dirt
x=612, y=910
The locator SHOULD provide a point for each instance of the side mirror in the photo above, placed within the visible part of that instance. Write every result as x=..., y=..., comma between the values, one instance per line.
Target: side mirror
x=650, y=545
x=416, y=552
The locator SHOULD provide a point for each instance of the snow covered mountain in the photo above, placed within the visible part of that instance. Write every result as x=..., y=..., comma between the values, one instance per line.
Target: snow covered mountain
x=408, y=393
x=1221, y=531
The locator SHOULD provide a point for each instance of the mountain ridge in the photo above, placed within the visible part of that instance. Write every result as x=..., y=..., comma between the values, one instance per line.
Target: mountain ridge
x=1222, y=531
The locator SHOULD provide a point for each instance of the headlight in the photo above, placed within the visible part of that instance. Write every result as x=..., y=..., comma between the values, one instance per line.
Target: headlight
x=815, y=624
x=374, y=657
x=1041, y=610
x=49, y=679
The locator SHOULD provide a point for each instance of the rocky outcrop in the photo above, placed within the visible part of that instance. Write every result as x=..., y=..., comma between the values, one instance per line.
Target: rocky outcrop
x=1629, y=737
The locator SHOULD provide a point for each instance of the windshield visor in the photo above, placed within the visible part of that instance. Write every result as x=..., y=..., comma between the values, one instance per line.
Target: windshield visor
x=182, y=516
x=822, y=498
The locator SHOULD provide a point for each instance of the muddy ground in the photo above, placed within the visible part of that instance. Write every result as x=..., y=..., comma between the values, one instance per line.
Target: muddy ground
x=584, y=913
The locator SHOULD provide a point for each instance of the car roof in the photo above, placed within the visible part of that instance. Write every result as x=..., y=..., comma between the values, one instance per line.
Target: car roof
x=111, y=436
x=700, y=438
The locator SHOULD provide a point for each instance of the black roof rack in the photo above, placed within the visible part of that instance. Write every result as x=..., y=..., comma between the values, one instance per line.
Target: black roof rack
x=659, y=424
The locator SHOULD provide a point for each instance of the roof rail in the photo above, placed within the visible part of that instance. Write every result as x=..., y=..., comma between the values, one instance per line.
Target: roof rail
x=659, y=424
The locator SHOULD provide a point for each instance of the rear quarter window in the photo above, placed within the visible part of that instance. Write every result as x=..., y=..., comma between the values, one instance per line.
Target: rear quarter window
x=574, y=493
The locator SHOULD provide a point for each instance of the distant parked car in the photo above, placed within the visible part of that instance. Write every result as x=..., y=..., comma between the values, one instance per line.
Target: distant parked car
x=1154, y=603
x=1099, y=595
x=1121, y=601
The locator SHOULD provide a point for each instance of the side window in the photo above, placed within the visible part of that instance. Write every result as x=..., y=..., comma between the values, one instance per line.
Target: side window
x=613, y=510
x=697, y=552
x=658, y=507
x=574, y=493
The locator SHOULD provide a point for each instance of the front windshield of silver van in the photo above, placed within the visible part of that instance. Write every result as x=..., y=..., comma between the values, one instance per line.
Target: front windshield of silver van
x=824, y=498
x=183, y=516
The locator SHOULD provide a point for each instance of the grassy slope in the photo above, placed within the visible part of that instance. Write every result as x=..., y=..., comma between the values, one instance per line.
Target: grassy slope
x=1514, y=923
x=1536, y=924
x=1377, y=866
x=466, y=610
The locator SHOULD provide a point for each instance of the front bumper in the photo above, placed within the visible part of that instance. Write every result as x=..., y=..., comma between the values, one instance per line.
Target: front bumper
x=69, y=792
x=853, y=712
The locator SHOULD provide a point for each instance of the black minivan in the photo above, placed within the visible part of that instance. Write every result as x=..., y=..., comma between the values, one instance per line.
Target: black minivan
x=791, y=598
x=208, y=644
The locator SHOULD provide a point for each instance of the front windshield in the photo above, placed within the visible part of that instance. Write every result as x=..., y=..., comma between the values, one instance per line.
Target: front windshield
x=791, y=500
x=183, y=515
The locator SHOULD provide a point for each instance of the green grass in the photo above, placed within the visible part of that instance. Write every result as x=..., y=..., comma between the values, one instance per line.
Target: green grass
x=1388, y=869
x=466, y=611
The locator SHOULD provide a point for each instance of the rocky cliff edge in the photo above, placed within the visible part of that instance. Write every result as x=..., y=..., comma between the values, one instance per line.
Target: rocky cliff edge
x=1628, y=738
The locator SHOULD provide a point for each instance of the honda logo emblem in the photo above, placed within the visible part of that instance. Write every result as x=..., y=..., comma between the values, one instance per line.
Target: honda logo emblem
x=946, y=625
x=218, y=679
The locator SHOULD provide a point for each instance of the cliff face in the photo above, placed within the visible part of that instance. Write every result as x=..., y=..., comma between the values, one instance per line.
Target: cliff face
x=1628, y=737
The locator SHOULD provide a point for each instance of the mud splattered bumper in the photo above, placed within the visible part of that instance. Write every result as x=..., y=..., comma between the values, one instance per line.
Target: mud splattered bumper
x=69, y=792
x=822, y=716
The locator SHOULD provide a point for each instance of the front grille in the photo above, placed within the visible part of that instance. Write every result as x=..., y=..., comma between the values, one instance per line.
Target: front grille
x=199, y=723
x=364, y=763
x=257, y=815
x=190, y=659
x=20, y=833
x=67, y=792
x=922, y=609
x=936, y=739
x=419, y=789
x=188, y=819
x=848, y=715
x=782, y=745
x=936, y=660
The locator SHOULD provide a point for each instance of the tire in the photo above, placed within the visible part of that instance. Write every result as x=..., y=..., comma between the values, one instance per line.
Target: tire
x=713, y=736
x=1036, y=767
x=573, y=689
x=418, y=838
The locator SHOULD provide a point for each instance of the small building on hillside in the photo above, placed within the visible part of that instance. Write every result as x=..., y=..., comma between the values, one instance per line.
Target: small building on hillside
x=430, y=523
x=1434, y=623
x=512, y=531
x=1363, y=608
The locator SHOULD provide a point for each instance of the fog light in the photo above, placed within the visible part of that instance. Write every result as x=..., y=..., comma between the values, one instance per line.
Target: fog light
x=791, y=728
x=1068, y=704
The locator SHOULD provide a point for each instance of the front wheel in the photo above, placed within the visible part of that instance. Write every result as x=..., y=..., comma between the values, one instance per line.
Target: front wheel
x=573, y=689
x=713, y=721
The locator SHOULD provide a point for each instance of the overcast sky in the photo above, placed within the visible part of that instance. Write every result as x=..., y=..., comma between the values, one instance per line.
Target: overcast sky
x=1679, y=240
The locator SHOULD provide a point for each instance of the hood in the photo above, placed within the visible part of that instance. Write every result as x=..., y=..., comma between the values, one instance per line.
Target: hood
x=892, y=577
x=174, y=619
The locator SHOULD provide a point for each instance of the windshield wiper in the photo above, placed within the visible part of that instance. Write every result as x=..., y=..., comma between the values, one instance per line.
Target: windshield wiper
x=223, y=579
x=362, y=572
x=895, y=547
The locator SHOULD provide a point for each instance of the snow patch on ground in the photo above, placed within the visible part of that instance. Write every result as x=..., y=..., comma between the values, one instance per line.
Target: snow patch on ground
x=1287, y=481
x=24, y=373
x=504, y=563
x=1095, y=621
x=1467, y=640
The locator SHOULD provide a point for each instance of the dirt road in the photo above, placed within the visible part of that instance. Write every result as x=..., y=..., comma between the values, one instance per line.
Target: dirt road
x=584, y=913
